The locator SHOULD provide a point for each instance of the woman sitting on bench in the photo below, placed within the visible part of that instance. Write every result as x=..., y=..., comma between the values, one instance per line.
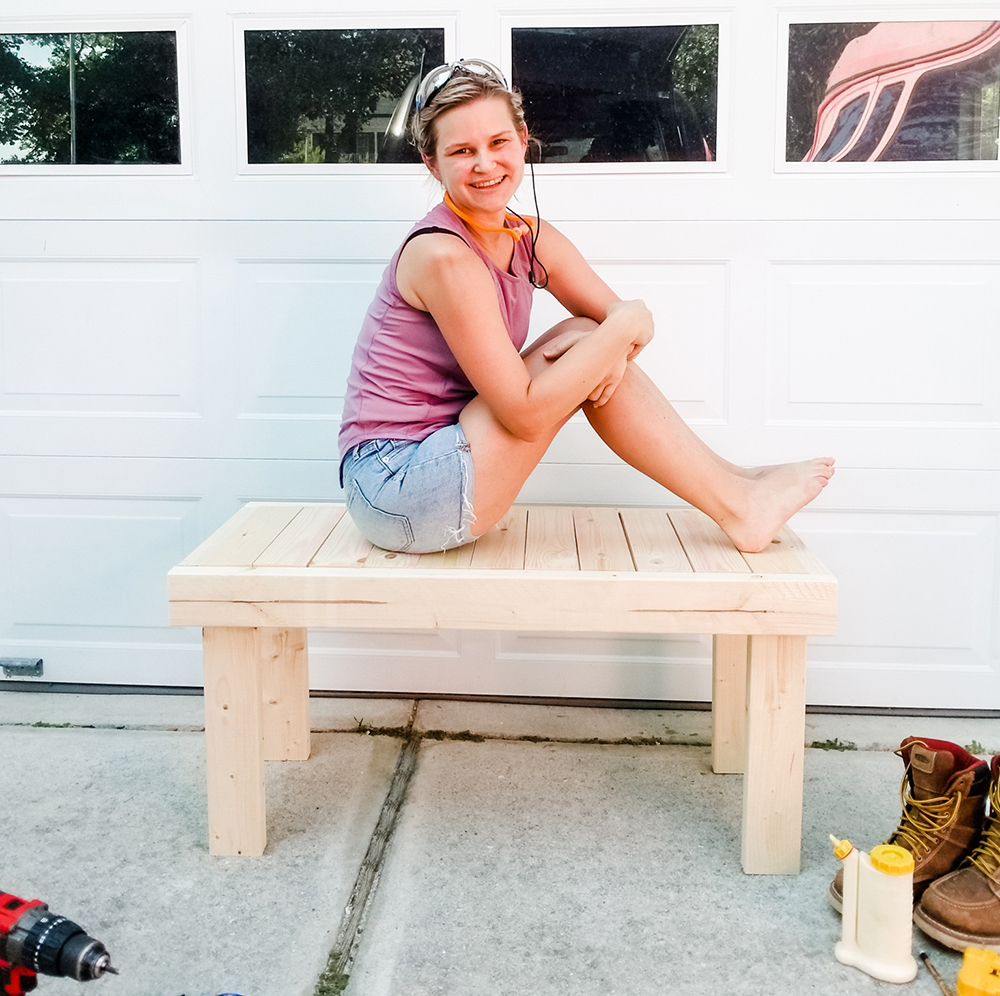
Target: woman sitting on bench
x=444, y=418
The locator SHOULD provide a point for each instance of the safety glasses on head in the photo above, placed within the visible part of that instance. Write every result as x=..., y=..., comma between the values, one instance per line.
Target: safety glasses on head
x=435, y=80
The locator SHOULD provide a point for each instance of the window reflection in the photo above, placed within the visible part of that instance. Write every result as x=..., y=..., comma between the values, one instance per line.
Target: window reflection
x=927, y=90
x=877, y=124
x=327, y=96
x=847, y=122
x=89, y=99
x=625, y=94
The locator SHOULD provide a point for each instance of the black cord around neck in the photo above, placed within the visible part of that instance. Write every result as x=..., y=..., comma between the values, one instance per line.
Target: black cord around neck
x=535, y=261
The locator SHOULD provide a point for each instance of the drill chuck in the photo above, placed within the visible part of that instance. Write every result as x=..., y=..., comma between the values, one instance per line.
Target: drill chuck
x=35, y=941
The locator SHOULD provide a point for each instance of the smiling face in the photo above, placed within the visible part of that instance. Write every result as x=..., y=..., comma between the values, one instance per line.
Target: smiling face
x=479, y=156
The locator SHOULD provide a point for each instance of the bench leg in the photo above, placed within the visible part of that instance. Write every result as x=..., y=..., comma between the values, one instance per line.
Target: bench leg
x=285, y=683
x=729, y=703
x=234, y=741
x=772, y=785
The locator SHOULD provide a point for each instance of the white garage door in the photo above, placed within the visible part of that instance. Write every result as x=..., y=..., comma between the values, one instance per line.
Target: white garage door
x=178, y=307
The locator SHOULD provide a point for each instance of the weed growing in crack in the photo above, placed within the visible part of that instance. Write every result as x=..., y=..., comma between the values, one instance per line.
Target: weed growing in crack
x=834, y=744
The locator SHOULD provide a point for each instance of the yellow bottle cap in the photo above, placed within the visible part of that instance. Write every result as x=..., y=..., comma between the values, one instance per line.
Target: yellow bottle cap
x=979, y=974
x=841, y=848
x=891, y=859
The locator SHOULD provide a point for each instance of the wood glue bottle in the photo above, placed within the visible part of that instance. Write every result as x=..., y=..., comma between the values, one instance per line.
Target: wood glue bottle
x=877, y=933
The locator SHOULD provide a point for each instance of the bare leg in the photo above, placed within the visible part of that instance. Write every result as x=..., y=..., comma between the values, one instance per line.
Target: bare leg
x=501, y=461
x=644, y=429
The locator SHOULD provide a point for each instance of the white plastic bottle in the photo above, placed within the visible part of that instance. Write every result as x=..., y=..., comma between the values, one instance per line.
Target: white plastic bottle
x=877, y=930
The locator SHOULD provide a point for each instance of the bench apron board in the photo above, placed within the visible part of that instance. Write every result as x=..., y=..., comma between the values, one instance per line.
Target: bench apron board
x=277, y=568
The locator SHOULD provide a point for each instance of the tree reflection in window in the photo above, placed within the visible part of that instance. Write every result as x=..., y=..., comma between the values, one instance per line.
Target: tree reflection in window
x=620, y=94
x=89, y=98
x=327, y=96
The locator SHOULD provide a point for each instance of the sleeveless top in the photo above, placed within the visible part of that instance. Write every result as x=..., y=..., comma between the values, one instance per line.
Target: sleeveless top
x=405, y=383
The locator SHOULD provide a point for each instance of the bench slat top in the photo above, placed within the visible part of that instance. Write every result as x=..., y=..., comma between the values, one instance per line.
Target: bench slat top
x=529, y=538
x=544, y=567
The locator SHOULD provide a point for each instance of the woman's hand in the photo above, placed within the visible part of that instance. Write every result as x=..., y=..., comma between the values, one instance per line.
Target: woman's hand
x=640, y=328
x=640, y=321
x=560, y=344
x=601, y=394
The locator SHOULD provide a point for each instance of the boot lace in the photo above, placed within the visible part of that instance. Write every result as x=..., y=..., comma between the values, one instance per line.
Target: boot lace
x=986, y=856
x=923, y=820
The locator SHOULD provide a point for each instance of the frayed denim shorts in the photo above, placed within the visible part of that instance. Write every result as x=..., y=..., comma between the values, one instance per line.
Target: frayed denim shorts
x=412, y=497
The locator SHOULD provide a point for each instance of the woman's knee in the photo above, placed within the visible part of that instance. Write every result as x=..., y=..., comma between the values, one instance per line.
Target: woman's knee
x=566, y=325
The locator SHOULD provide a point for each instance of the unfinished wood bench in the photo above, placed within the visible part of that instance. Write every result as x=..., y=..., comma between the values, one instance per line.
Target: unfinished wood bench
x=275, y=569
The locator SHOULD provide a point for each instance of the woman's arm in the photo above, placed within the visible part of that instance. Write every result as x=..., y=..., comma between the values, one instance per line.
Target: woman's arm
x=442, y=275
x=572, y=280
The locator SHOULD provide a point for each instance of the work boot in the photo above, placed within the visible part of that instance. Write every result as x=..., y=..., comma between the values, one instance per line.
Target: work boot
x=962, y=909
x=943, y=792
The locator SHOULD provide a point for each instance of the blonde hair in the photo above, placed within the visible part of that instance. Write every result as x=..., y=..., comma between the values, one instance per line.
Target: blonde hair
x=462, y=88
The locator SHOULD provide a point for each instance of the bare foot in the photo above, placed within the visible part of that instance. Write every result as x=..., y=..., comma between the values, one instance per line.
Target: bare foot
x=773, y=495
x=756, y=473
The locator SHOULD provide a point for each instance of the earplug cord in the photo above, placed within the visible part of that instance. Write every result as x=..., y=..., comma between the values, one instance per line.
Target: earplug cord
x=536, y=228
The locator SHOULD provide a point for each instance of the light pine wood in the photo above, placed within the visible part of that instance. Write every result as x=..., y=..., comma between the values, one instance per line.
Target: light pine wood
x=205, y=552
x=458, y=556
x=502, y=547
x=600, y=541
x=772, y=782
x=729, y=703
x=786, y=554
x=706, y=545
x=234, y=742
x=653, y=541
x=471, y=598
x=284, y=663
x=378, y=613
x=377, y=557
x=298, y=542
x=256, y=527
x=344, y=547
x=541, y=568
x=551, y=543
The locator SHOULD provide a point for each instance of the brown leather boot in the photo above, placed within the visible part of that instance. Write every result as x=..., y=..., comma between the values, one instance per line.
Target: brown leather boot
x=944, y=805
x=962, y=909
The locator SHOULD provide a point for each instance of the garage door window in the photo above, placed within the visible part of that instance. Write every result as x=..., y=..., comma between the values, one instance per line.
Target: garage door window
x=89, y=99
x=327, y=96
x=893, y=91
x=620, y=94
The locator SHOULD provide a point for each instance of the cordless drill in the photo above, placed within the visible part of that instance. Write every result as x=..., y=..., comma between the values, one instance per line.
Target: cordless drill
x=33, y=940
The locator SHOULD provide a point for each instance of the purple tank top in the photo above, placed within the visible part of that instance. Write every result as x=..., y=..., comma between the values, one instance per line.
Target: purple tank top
x=405, y=383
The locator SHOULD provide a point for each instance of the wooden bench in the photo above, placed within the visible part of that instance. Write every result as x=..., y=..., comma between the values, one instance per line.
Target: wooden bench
x=275, y=569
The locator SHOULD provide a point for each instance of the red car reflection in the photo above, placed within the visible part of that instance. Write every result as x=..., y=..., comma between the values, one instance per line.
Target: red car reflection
x=913, y=91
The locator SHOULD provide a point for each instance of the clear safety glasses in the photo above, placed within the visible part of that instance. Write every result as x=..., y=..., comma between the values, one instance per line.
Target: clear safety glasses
x=434, y=81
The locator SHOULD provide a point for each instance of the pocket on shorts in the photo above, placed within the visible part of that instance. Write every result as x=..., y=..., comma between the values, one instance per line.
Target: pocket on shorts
x=388, y=530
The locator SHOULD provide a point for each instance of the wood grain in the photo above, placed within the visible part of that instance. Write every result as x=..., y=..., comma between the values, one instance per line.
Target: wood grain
x=298, y=542
x=502, y=547
x=729, y=702
x=600, y=540
x=234, y=742
x=772, y=782
x=344, y=547
x=284, y=677
x=244, y=537
x=706, y=545
x=653, y=541
x=551, y=542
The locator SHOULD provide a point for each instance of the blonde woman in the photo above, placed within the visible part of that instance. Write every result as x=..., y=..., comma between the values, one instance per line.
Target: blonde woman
x=447, y=413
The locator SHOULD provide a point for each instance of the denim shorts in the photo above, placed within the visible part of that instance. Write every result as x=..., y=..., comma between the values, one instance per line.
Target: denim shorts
x=412, y=497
